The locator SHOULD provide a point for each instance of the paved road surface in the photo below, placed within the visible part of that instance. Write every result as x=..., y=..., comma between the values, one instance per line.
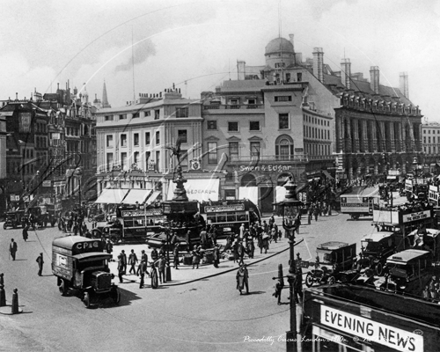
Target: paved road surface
x=205, y=315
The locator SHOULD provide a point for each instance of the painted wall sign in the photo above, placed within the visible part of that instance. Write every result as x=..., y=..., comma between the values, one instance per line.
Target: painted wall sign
x=268, y=167
x=386, y=335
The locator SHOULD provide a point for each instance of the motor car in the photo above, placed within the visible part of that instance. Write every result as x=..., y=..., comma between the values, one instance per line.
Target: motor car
x=334, y=262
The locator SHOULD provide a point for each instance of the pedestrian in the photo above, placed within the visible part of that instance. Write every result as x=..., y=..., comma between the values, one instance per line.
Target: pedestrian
x=316, y=213
x=25, y=233
x=176, y=255
x=203, y=238
x=242, y=228
x=142, y=269
x=160, y=264
x=13, y=248
x=297, y=224
x=216, y=256
x=120, y=268
x=273, y=235
x=188, y=241
x=265, y=242
x=310, y=215
x=132, y=260
x=154, y=255
x=40, y=262
x=124, y=261
x=250, y=247
x=242, y=278
x=109, y=247
x=236, y=250
x=195, y=257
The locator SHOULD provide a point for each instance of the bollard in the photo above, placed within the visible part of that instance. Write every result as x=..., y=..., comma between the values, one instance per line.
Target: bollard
x=2, y=292
x=15, y=309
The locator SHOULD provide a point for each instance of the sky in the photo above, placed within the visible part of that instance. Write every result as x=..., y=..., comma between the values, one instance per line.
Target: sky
x=195, y=44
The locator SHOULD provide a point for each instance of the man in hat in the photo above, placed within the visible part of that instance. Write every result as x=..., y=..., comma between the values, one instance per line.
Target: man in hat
x=216, y=255
x=120, y=268
x=176, y=255
x=132, y=260
x=242, y=278
x=142, y=269
x=13, y=248
x=40, y=262
x=160, y=264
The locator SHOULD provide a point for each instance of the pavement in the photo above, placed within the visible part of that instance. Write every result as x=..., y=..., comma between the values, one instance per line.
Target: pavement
x=185, y=273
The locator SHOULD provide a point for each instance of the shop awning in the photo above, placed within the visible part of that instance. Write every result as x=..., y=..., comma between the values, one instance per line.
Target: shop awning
x=137, y=195
x=153, y=197
x=198, y=189
x=112, y=195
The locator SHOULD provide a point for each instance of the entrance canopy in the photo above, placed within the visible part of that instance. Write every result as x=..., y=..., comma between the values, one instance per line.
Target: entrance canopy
x=112, y=195
x=198, y=189
x=137, y=195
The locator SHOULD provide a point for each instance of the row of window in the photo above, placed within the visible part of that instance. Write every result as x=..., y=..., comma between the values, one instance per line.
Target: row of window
x=182, y=135
x=179, y=113
x=70, y=131
x=433, y=139
x=315, y=132
x=17, y=169
x=317, y=149
x=41, y=142
x=316, y=120
x=41, y=128
x=283, y=148
x=434, y=150
x=123, y=160
x=429, y=131
x=283, y=124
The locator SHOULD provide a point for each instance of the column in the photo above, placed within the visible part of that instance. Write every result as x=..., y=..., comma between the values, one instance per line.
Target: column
x=374, y=140
x=340, y=135
x=348, y=145
x=382, y=136
x=355, y=136
x=392, y=139
x=365, y=146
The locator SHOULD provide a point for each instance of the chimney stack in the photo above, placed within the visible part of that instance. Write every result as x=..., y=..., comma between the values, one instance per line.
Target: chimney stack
x=345, y=72
x=404, y=84
x=241, y=70
x=318, y=64
x=374, y=79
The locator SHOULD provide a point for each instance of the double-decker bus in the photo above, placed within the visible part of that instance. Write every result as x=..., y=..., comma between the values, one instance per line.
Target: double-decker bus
x=359, y=202
x=230, y=214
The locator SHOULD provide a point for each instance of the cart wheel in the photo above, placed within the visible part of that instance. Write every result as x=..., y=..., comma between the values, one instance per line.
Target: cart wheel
x=331, y=280
x=154, y=281
x=114, y=239
x=309, y=280
x=115, y=294
x=86, y=299
x=379, y=269
x=62, y=287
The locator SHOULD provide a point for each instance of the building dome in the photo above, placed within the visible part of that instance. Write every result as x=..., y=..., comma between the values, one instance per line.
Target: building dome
x=279, y=45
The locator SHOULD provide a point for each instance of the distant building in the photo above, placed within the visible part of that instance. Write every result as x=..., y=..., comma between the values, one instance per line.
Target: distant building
x=431, y=142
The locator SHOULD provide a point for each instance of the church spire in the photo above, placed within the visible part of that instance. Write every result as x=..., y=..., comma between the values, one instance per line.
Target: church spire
x=105, y=103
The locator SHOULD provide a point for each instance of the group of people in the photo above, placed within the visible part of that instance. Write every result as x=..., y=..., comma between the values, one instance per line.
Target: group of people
x=13, y=249
x=318, y=209
x=431, y=292
x=74, y=223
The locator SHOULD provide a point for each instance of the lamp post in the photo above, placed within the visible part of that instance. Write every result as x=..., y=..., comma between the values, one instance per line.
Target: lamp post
x=290, y=210
x=78, y=174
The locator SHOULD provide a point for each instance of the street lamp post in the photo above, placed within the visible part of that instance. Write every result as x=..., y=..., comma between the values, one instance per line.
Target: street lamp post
x=290, y=209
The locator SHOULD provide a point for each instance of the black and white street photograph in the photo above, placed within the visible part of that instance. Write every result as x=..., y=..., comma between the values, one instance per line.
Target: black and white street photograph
x=219, y=176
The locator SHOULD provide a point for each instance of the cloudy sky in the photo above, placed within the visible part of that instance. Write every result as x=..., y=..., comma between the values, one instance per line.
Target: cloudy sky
x=196, y=43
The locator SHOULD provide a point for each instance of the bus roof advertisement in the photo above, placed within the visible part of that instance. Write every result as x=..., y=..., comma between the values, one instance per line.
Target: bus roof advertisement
x=416, y=216
x=370, y=330
x=224, y=208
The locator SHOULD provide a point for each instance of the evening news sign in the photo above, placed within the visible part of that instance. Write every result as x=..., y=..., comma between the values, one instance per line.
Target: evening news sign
x=370, y=330
x=416, y=216
x=270, y=168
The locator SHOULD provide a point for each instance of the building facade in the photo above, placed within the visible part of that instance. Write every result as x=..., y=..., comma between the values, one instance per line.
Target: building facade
x=135, y=142
x=431, y=143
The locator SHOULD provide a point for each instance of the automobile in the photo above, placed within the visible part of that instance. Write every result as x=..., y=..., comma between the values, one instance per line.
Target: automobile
x=14, y=219
x=375, y=249
x=334, y=262
x=409, y=271
x=80, y=263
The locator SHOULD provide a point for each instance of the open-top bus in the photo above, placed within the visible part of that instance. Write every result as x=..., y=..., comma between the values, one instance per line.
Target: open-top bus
x=229, y=215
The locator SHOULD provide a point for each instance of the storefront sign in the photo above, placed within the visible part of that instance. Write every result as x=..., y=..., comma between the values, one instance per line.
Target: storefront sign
x=224, y=208
x=416, y=216
x=369, y=330
x=268, y=167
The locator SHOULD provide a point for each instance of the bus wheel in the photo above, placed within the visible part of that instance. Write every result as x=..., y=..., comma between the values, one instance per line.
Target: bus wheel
x=114, y=239
x=86, y=299
x=62, y=286
x=154, y=281
x=354, y=216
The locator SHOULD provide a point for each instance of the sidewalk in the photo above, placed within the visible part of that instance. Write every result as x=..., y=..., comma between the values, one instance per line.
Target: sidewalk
x=185, y=274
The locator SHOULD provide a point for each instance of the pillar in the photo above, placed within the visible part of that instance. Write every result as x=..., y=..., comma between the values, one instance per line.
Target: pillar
x=392, y=139
x=383, y=146
x=365, y=146
x=348, y=146
x=355, y=136
x=374, y=140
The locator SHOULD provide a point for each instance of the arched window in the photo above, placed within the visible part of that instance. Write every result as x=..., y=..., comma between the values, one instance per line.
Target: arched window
x=284, y=148
x=248, y=180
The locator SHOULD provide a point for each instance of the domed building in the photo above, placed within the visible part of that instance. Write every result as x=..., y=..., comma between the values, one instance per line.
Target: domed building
x=290, y=117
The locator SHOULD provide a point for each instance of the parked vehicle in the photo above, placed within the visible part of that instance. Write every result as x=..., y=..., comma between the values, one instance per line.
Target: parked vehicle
x=334, y=262
x=80, y=263
x=14, y=219
x=375, y=249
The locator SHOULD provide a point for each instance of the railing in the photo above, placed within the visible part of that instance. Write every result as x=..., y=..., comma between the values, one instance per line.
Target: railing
x=233, y=107
x=298, y=158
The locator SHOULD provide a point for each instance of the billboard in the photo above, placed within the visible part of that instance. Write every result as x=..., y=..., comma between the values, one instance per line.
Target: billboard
x=24, y=120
